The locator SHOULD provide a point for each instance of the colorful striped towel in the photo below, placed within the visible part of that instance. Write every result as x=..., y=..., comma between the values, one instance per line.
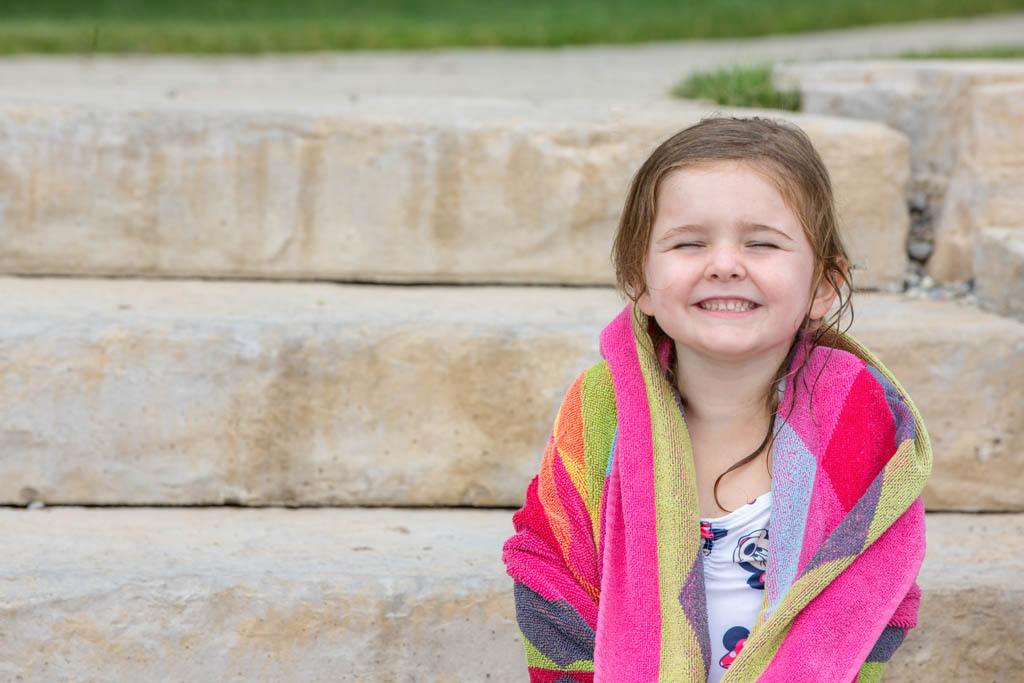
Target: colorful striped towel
x=608, y=576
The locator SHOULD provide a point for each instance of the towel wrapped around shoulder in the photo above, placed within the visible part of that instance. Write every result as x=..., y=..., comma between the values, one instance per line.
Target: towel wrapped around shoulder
x=606, y=562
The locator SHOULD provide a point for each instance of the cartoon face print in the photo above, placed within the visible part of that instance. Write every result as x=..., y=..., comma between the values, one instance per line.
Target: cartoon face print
x=751, y=554
x=734, y=640
x=753, y=549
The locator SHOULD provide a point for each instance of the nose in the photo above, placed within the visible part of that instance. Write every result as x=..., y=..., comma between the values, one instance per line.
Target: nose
x=725, y=263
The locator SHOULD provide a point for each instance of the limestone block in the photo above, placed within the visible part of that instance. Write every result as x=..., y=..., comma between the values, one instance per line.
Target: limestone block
x=999, y=271
x=963, y=120
x=377, y=189
x=925, y=99
x=183, y=392
x=969, y=604
x=964, y=369
x=987, y=186
x=256, y=595
x=375, y=595
x=180, y=392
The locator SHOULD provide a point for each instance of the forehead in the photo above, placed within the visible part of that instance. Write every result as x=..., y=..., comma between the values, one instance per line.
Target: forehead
x=721, y=191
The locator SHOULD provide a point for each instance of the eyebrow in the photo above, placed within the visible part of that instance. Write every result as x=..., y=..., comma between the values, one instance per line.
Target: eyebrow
x=747, y=227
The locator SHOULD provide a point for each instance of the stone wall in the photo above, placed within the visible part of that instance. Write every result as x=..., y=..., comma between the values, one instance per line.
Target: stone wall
x=963, y=119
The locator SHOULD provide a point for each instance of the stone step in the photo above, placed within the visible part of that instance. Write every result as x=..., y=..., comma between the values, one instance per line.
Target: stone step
x=218, y=594
x=962, y=118
x=224, y=184
x=999, y=271
x=195, y=392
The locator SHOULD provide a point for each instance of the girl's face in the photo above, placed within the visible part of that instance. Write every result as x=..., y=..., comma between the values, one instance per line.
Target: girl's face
x=729, y=267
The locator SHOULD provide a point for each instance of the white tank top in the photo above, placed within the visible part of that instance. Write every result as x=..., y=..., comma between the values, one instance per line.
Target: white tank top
x=735, y=550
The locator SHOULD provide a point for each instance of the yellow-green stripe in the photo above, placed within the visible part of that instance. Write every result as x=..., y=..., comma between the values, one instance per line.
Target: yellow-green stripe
x=597, y=394
x=677, y=522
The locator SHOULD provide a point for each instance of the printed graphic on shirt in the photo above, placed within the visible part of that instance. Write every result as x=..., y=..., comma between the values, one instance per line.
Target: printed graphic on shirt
x=709, y=535
x=734, y=640
x=751, y=554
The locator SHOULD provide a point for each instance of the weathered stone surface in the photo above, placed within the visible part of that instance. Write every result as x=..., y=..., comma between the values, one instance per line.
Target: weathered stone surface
x=181, y=392
x=969, y=604
x=964, y=369
x=967, y=144
x=379, y=189
x=184, y=392
x=256, y=595
x=375, y=595
x=999, y=271
x=987, y=186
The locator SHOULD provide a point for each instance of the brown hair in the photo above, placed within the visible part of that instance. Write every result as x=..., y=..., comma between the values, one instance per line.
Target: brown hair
x=784, y=155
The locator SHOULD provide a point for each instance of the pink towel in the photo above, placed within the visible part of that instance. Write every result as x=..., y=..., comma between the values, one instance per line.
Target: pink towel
x=608, y=577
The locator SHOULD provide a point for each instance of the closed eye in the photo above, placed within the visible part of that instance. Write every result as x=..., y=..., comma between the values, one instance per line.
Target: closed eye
x=688, y=245
x=763, y=245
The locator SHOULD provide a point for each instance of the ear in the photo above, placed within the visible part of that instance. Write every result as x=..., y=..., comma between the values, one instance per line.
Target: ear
x=823, y=298
x=644, y=302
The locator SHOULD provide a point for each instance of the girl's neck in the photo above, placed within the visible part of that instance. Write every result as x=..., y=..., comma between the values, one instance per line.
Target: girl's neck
x=724, y=393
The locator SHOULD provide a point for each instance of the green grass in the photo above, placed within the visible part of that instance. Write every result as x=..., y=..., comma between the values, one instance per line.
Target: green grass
x=738, y=87
x=246, y=26
x=751, y=86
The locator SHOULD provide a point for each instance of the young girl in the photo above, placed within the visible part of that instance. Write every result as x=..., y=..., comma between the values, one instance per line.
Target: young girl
x=733, y=493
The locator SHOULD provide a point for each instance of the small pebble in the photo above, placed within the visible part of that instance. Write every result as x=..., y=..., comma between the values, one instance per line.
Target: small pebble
x=36, y=505
x=919, y=250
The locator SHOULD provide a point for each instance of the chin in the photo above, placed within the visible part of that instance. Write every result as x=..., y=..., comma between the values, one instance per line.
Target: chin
x=732, y=355
x=733, y=351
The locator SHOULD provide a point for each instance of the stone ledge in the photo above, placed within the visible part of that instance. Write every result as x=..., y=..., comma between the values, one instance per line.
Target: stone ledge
x=379, y=189
x=966, y=142
x=255, y=595
x=999, y=271
x=380, y=595
x=184, y=392
x=964, y=369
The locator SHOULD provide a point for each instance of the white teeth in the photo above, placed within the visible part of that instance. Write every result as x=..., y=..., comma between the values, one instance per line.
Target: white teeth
x=726, y=305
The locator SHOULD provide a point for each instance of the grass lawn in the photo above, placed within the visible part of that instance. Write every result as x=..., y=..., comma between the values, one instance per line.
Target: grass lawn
x=248, y=26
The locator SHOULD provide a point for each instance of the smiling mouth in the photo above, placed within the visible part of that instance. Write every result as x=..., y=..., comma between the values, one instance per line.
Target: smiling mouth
x=727, y=305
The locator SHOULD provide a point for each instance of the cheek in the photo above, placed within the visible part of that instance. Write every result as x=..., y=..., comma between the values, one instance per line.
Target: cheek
x=661, y=272
x=794, y=292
